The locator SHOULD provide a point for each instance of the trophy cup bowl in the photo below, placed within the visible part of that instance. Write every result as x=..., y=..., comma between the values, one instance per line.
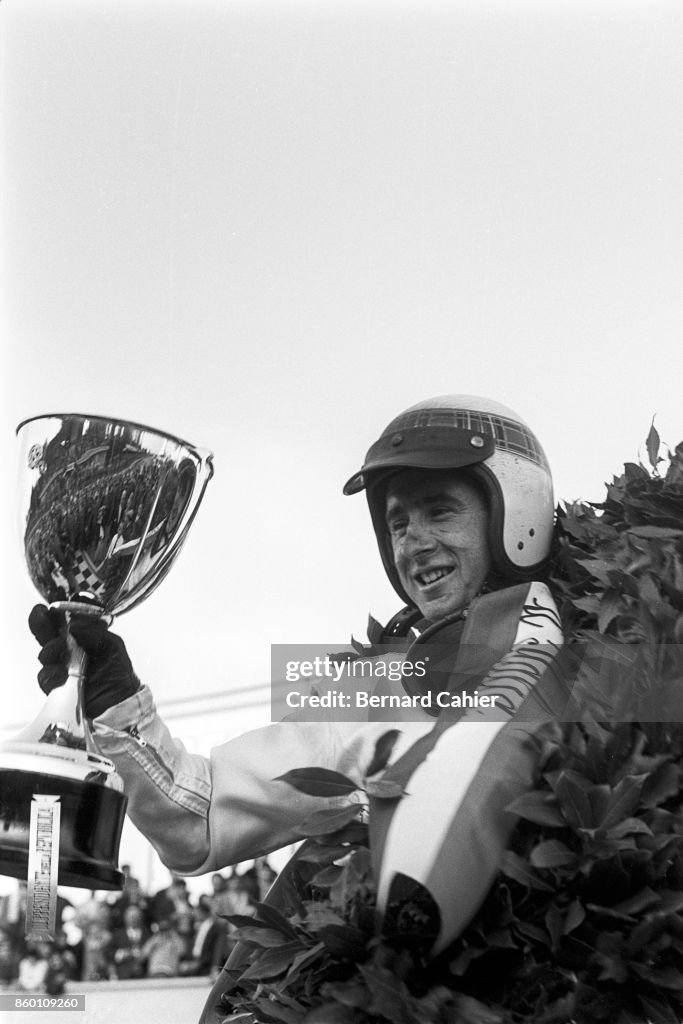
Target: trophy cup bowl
x=106, y=507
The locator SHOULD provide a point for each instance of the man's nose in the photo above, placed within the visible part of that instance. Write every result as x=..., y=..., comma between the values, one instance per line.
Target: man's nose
x=418, y=537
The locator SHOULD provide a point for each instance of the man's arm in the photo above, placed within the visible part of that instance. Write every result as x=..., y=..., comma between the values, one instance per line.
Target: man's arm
x=203, y=814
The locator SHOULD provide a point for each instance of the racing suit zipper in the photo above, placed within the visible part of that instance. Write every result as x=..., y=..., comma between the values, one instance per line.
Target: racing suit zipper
x=134, y=733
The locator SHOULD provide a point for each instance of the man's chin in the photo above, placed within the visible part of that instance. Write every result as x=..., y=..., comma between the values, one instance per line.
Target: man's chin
x=439, y=608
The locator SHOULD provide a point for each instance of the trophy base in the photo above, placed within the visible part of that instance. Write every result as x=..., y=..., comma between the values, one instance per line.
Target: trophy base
x=92, y=816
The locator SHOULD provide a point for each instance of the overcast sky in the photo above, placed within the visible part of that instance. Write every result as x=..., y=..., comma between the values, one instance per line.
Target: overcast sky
x=269, y=227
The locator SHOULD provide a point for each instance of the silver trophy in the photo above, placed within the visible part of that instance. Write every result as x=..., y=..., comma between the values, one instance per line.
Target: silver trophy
x=106, y=506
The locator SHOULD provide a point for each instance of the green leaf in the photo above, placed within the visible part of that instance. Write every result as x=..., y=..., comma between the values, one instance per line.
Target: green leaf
x=328, y=876
x=322, y=854
x=304, y=958
x=653, y=443
x=628, y=827
x=541, y=808
x=552, y=854
x=273, y=1011
x=355, y=834
x=671, y=903
x=384, y=789
x=320, y=913
x=318, y=782
x=272, y=963
x=349, y=993
x=331, y=1013
x=383, y=748
x=515, y=867
x=244, y=921
x=389, y=996
x=472, y=1011
x=344, y=942
x=573, y=798
x=323, y=822
x=623, y=800
x=643, y=900
x=661, y=784
x=614, y=969
x=664, y=977
x=657, y=1011
x=555, y=925
x=262, y=936
x=576, y=915
x=599, y=568
x=531, y=931
x=656, y=532
x=273, y=919
x=610, y=607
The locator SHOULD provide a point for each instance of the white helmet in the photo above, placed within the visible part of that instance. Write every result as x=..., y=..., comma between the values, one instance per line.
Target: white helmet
x=497, y=449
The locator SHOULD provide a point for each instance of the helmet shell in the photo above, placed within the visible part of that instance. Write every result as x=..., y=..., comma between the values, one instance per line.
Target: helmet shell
x=494, y=445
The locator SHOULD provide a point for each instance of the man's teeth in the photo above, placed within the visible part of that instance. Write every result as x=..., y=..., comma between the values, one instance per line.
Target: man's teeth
x=427, y=578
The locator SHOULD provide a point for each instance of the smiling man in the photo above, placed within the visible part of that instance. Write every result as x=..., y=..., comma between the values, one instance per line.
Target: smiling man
x=438, y=529
x=460, y=497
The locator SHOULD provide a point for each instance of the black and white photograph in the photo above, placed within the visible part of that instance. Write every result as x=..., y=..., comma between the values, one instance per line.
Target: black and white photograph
x=341, y=428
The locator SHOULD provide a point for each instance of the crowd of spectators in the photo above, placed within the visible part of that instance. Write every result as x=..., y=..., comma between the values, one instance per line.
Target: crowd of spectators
x=91, y=512
x=129, y=934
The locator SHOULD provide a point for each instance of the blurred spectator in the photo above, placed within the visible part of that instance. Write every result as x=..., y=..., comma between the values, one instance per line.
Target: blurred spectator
x=265, y=876
x=210, y=943
x=170, y=901
x=13, y=909
x=131, y=896
x=73, y=939
x=9, y=958
x=93, y=918
x=163, y=951
x=240, y=889
x=57, y=968
x=125, y=950
x=184, y=926
x=245, y=888
x=33, y=967
x=221, y=899
x=71, y=961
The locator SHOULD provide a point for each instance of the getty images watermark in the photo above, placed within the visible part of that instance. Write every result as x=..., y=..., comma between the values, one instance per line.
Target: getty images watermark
x=604, y=681
x=314, y=682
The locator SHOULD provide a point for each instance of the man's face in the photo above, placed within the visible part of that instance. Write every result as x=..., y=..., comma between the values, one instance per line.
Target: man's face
x=438, y=525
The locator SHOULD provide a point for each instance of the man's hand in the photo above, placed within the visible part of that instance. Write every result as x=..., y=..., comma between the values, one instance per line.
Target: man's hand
x=109, y=675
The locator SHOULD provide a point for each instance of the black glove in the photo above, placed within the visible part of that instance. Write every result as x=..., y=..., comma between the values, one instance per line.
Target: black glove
x=109, y=677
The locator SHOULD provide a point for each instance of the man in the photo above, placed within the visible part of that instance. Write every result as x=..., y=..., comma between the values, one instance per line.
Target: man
x=460, y=496
x=210, y=943
x=125, y=949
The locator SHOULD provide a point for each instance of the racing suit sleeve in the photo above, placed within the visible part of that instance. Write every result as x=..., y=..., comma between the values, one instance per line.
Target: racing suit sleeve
x=202, y=814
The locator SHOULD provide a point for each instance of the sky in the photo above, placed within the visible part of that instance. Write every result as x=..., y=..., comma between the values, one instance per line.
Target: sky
x=270, y=227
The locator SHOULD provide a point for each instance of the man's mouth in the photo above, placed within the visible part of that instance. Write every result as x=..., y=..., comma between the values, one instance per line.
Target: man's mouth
x=431, y=576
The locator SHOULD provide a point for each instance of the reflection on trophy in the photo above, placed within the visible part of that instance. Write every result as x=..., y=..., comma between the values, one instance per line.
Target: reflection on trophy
x=106, y=506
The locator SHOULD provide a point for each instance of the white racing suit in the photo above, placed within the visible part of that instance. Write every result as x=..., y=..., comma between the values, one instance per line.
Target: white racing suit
x=450, y=828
